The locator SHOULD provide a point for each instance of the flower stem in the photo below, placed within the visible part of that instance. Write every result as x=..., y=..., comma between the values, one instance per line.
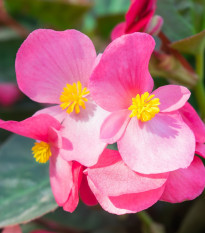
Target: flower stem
x=199, y=89
x=145, y=218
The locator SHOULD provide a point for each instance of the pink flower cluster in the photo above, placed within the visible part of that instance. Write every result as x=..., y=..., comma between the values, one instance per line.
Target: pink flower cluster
x=105, y=99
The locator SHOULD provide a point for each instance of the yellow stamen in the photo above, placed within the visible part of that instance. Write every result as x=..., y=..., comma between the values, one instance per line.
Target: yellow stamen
x=41, y=152
x=73, y=97
x=144, y=107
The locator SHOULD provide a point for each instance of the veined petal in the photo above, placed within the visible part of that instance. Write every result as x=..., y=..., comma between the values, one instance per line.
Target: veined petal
x=113, y=177
x=162, y=144
x=127, y=203
x=122, y=72
x=83, y=131
x=171, y=97
x=48, y=60
x=35, y=127
x=114, y=126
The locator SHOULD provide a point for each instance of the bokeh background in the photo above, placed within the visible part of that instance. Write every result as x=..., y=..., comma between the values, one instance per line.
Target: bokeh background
x=25, y=193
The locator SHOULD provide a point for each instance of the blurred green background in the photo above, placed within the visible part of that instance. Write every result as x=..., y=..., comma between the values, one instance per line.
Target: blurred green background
x=24, y=185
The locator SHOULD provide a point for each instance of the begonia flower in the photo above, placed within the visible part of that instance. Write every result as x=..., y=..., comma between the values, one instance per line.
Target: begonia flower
x=54, y=67
x=9, y=94
x=120, y=190
x=139, y=18
x=147, y=126
x=114, y=185
x=49, y=145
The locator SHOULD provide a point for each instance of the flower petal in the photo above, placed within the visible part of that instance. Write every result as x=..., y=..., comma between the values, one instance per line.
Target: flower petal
x=86, y=194
x=83, y=130
x=162, y=144
x=9, y=94
x=12, y=229
x=118, y=31
x=127, y=203
x=200, y=149
x=54, y=111
x=73, y=199
x=122, y=72
x=185, y=184
x=171, y=97
x=114, y=126
x=193, y=120
x=113, y=177
x=35, y=127
x=61, y=177
x=48, y=60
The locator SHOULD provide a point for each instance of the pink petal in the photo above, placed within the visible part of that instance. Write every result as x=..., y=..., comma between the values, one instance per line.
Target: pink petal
x=171, y=97
x=86, y=194
x=12, y=229
x=61, y=177
x=54, y=111
x=122, y=72
x=35, y=127
x=73, y=199
x=162, y=144
x=118, y=31
x=127, y=203
x=185, y=184
x=193, y=120
x=112, y=177
x=114, y=126
x=200, y=149
x=83, y=130
x=48, y=60
x=143, y=9
x=9, y=94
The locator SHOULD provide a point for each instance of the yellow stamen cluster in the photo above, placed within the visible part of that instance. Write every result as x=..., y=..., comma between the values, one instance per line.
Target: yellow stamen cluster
x=73, y=97
x=144, y=107
x=41, y=152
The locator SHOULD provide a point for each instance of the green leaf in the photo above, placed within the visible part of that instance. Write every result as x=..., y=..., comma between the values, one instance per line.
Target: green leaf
x=175, y=26
x=191, y=45
x=25, y=192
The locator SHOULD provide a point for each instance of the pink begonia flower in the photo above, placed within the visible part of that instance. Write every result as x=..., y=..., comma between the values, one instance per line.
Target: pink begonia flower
x=139, y=18
x=116, y=187
x=120, y=190
x=9, y=94
x=147, y=126
x=17, y=229
x=49, y=146
x=54, y=67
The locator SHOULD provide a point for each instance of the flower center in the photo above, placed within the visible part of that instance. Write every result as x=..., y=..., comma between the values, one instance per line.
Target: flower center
x=41, y=152
x=144, y=107
x=73, y=97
